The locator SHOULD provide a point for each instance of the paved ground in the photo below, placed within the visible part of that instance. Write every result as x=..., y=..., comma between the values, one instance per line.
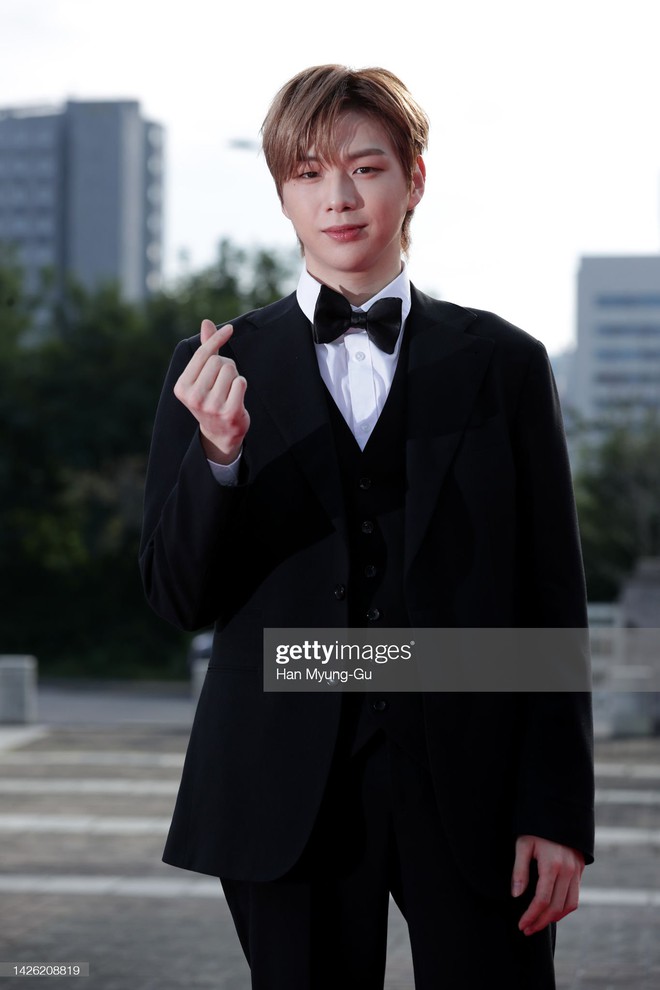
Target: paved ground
x=85, y=799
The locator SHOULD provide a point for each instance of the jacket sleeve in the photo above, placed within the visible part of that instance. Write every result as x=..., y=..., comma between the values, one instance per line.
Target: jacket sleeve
x=188, y=533
x=555, y=792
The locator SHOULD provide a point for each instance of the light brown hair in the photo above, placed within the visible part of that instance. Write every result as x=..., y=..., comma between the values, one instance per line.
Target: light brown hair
x=305, y=112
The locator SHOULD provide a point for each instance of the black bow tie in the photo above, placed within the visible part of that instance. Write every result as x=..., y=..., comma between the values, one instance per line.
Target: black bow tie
x=333, y=316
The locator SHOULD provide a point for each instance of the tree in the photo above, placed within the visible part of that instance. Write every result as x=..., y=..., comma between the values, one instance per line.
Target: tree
x=15, y=316
x=618, y=497
x=77, y=408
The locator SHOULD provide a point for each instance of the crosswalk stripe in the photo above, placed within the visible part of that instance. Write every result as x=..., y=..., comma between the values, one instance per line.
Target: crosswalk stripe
x=100, y=758
x=608, y=835
x=111, y=885
x=205, y=887
x=629, y=771
x=84, y=824
x=151, y=788
x=92, y=824
x=168, y=788
x=606, y=897
x=629, y=797
x=139, y=758
x=143, y=788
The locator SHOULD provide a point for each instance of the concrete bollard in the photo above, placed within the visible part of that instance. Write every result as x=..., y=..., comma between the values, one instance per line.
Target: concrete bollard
x=18, y=689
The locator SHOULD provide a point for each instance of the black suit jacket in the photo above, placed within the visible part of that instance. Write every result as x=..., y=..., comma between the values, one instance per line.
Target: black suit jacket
x=490, y=540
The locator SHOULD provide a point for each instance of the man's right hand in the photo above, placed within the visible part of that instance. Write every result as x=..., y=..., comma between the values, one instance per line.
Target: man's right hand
x=212, y=389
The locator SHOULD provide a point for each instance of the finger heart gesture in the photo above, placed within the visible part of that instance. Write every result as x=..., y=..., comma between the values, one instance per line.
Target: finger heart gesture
x=211, y=388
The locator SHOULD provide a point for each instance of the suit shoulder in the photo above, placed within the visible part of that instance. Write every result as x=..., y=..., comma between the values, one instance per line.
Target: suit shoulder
x=481, y=323
x=491, y=325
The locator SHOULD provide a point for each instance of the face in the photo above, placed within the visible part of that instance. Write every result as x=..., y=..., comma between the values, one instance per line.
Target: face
x=348, y=213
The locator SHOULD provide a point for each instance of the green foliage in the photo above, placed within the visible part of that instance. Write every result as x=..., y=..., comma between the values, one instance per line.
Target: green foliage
x=618, y=496
x=80, y=388
x=14, y=310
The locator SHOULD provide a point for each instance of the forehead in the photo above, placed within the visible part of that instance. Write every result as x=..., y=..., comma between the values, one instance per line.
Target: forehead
x=354, y=134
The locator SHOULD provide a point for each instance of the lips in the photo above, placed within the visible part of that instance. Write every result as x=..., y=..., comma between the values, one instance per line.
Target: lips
x=344, y=232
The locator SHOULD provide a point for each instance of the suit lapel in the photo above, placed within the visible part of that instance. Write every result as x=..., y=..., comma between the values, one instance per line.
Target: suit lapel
x=280, y=364
x=446, y=366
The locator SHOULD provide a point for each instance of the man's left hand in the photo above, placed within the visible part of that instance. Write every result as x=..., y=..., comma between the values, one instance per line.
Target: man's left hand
x=558, y=887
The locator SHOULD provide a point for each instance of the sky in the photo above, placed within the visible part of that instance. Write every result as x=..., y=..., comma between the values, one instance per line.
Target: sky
x=545, y=123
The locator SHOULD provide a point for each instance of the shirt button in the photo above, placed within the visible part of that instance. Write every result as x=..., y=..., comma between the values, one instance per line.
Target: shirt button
x=379, y=706
x=373, y=614
x=367, y=526
x=365, y=484
x=340, y=592
x=370, y=570
x=359, y=355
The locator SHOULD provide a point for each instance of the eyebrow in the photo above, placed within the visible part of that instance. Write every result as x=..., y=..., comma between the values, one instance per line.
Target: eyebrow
x=362, y=153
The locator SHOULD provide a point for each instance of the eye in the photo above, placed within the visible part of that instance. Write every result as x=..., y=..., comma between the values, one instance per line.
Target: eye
x=307, y=171
x=366, y=169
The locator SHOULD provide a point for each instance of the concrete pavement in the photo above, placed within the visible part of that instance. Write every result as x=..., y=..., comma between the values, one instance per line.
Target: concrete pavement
x=85, y=799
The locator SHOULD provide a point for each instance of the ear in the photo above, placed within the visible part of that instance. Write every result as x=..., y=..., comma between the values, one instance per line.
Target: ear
x=418, y=183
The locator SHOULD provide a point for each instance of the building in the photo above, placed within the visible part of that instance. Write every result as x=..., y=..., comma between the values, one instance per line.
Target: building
x=81, y=193
x=616, y=372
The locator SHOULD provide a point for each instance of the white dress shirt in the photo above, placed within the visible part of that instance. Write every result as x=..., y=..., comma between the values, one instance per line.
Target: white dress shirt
x=357, y=374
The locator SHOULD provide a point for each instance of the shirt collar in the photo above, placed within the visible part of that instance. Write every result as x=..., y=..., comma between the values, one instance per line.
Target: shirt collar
x=308, y=291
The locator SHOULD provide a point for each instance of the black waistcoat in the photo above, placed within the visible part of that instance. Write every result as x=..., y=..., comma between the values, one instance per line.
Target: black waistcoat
x=374, y=485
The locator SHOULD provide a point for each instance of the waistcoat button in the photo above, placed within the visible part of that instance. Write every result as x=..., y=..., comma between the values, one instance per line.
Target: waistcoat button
x=340, y=592
x=367, y=526
x=373, y=614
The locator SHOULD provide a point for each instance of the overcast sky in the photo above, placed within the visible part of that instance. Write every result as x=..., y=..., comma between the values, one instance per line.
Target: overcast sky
x=545, y=123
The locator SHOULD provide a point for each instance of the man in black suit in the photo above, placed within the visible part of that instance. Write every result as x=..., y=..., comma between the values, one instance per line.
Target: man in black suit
x=395, y=462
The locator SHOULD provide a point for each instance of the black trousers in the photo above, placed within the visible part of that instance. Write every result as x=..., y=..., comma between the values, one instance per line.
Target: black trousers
x=323, y=926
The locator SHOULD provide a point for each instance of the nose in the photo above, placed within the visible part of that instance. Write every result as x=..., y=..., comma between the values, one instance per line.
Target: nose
x=342, y=194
